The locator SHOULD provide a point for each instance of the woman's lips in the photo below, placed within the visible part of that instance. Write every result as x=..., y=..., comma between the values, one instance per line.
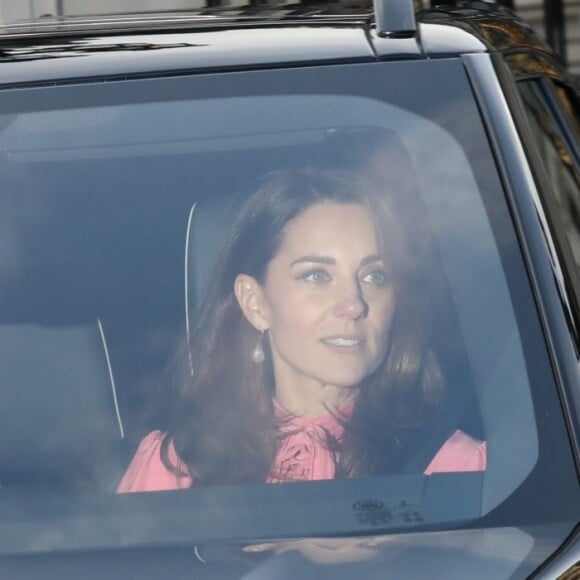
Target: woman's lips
x=344, y=342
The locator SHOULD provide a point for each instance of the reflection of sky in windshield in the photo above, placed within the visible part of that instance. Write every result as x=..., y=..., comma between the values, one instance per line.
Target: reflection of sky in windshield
x=10, y=250
x=17, y=212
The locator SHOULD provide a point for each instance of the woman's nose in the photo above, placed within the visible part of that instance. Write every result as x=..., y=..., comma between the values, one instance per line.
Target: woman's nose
x=350, y=303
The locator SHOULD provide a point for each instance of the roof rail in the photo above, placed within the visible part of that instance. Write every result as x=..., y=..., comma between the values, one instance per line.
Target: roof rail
x=395, y=17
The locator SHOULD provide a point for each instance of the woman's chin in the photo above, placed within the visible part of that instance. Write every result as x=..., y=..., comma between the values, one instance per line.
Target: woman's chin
x=345, y=380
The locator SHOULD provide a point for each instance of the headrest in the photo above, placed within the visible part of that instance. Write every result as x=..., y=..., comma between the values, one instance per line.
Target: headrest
x=208, y=228
x=59, y=417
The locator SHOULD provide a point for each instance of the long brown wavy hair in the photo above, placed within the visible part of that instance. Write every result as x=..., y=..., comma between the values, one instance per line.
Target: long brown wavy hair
x=223, y=424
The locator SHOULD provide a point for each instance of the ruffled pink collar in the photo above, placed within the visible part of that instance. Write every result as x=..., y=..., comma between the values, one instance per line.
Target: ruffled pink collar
x=304, y=453
x=291, y=422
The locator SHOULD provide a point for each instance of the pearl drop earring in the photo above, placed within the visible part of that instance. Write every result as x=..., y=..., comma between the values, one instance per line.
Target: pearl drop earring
x=258, y=352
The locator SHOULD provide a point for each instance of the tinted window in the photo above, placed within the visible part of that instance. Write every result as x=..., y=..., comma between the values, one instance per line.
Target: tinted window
x=558, y=153
x=117, y=201
x=569, y=107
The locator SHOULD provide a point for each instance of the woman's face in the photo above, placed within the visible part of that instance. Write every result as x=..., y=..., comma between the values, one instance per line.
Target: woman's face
x=328, y=299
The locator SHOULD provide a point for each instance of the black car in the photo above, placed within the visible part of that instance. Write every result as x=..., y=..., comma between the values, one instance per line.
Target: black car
x=130, y=146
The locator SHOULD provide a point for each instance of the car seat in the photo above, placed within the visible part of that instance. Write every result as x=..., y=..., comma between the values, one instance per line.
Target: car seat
x=59, y=417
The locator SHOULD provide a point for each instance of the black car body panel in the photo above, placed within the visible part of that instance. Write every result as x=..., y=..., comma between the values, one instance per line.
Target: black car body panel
x=162, y=54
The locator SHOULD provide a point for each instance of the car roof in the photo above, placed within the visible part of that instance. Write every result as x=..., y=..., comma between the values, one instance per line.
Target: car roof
x=281, y=34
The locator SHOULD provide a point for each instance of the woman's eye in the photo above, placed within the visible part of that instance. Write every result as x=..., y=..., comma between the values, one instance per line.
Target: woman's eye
x=316, y=276
x=376, y=278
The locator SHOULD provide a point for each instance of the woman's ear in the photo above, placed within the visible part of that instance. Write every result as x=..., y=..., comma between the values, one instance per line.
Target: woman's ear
x=250, y=297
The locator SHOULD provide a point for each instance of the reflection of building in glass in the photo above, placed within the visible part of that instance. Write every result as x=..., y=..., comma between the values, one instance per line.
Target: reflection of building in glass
x=535, y=13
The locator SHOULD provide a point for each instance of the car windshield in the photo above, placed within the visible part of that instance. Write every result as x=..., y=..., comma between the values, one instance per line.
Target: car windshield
x=205, y=256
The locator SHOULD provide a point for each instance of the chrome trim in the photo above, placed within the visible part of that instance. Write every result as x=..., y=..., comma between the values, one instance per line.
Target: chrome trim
x=112, y=379
x=228, y=17
x=186, y=271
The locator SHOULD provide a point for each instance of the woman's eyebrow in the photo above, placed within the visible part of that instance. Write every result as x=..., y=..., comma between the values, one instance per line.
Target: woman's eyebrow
x=370, y=259
x=314, y=259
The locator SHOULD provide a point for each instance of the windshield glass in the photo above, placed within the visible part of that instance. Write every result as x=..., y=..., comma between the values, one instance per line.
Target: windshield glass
x=217, y=283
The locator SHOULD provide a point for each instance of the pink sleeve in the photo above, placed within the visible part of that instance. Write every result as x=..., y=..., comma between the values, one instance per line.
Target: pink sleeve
x=459, y=453
x=147, y=472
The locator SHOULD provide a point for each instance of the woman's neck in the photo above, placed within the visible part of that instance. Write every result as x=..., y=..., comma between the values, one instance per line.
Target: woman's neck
x=314, y=400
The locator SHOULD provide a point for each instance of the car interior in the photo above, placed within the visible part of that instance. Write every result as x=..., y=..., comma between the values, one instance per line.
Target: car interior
x=106, y=255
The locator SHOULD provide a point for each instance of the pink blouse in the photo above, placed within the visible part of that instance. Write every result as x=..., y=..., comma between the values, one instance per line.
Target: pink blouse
x=302, y=456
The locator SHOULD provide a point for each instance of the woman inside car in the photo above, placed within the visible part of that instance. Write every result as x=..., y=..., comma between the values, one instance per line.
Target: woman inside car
x=309, y=358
